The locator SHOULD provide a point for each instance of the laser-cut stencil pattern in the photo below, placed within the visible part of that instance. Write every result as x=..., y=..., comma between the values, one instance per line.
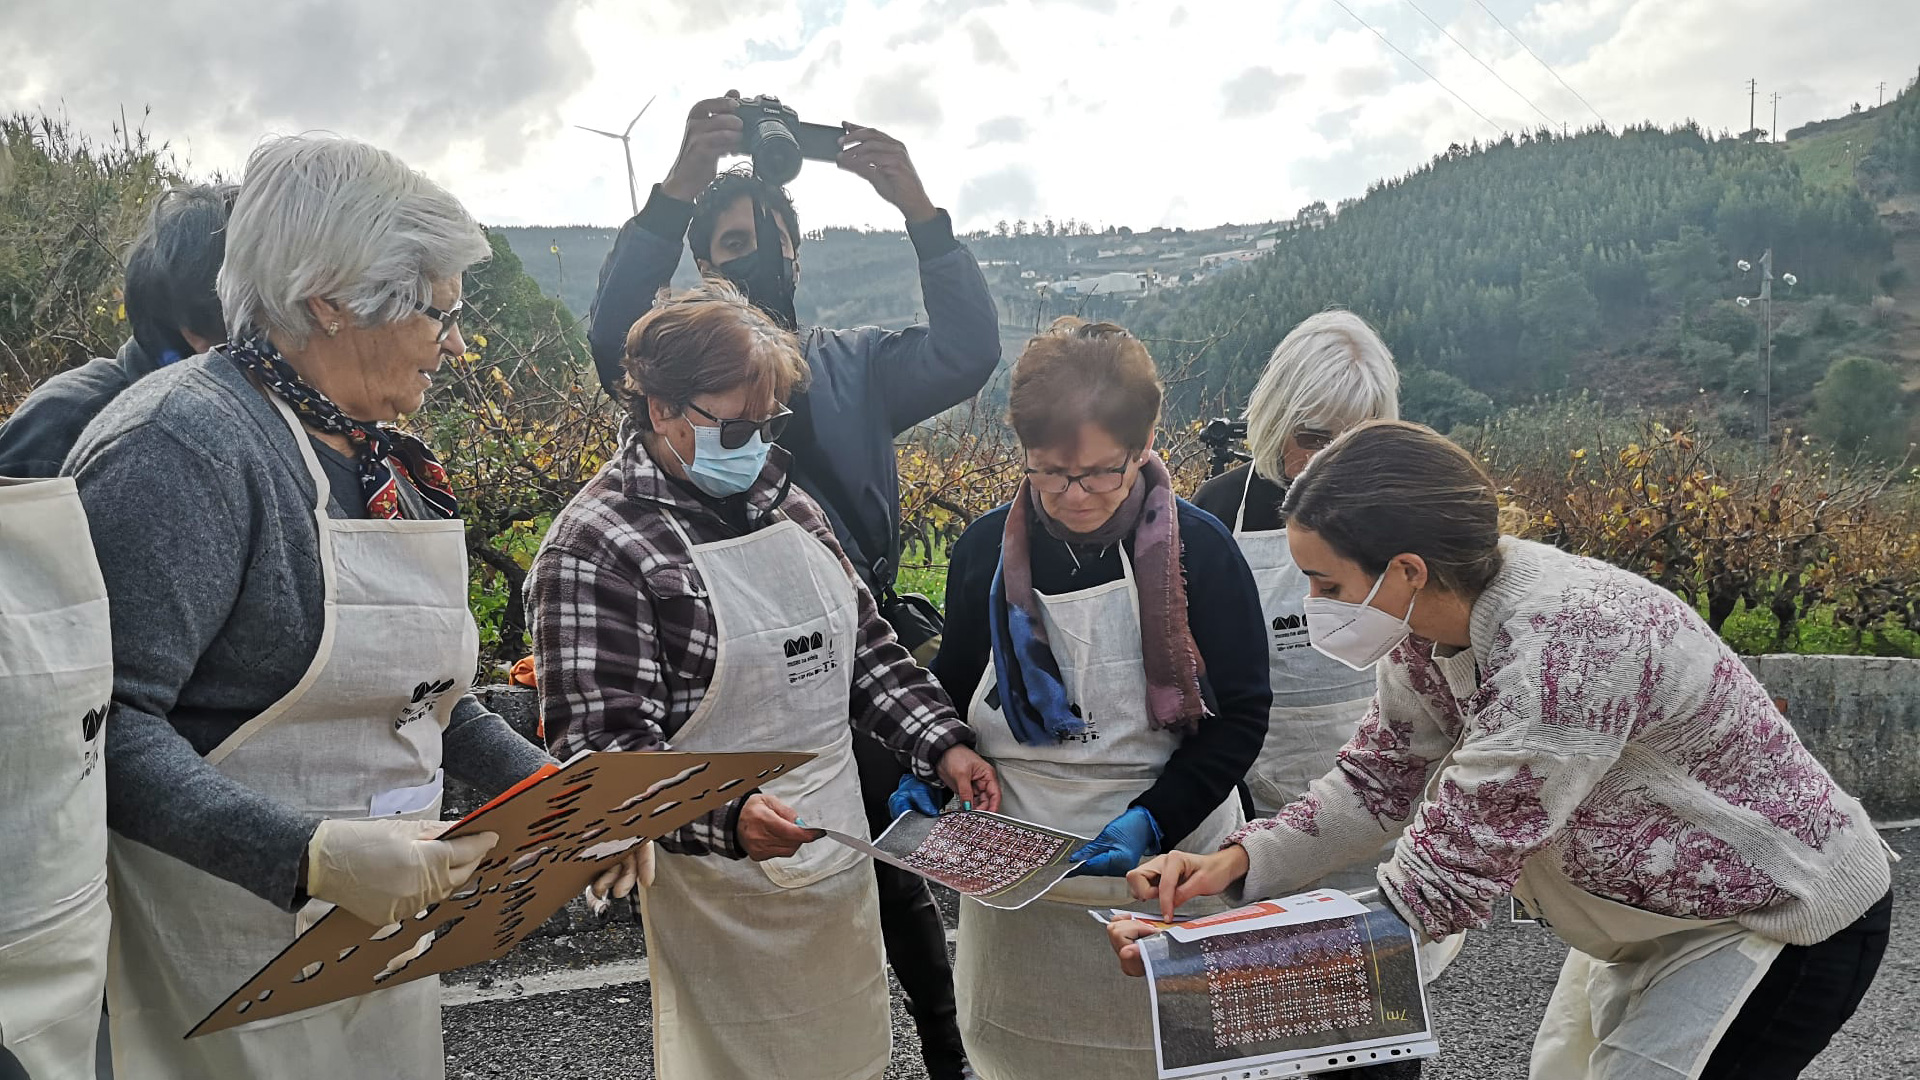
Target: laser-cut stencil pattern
x=975, y=853
x=555, y=837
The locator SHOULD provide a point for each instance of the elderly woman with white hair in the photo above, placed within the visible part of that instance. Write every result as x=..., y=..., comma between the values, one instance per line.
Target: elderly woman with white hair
x=1329, y=374
x=292, y=644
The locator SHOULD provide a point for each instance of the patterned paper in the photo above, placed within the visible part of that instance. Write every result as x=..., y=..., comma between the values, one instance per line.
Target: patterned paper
x=1282, y=983
x=975, y=853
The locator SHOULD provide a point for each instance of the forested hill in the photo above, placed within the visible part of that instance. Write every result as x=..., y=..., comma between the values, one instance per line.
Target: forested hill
x=1497, y=273
x=1503, y=265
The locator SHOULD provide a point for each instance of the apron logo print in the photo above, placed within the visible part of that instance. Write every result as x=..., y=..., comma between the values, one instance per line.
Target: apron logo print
x=809, y=656
x=90, y=727
x=1289, y=632
x=426, y=695
x=1091, y=733
x=804, y=643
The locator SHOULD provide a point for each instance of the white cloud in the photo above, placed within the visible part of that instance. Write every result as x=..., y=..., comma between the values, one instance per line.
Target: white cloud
x=1255, y=91
x=1114, y=111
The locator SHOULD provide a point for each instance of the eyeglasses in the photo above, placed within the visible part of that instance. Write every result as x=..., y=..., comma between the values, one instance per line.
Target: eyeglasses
x=1311, y=439
x=735, y=432
x=1097, y=482
x=449, y=320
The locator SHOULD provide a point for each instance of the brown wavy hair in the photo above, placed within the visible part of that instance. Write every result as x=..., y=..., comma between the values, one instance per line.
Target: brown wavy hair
x=1077, y=372
x=708, y=340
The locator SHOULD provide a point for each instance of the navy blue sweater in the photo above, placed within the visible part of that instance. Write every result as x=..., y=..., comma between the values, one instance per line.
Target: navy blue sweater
x=1223, y=608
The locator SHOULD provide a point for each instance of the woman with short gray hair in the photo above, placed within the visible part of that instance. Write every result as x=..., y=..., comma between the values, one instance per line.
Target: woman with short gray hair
x=1330, y=374
x=293, y=648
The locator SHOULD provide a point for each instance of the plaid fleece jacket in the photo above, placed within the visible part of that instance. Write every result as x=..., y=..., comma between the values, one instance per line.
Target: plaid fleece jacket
x=623, y=633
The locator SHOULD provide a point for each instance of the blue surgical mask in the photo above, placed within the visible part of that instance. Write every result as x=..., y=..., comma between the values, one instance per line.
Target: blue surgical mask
x=721, y=472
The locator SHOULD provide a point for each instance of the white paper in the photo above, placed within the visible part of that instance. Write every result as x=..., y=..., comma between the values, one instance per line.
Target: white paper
x=408, y=800
x=1315, y=905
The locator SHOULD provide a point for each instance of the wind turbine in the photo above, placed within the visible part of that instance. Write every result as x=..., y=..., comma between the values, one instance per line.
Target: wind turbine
x=633, y=189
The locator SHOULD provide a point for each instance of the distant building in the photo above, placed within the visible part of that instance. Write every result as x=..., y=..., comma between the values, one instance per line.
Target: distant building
x=1119, y=283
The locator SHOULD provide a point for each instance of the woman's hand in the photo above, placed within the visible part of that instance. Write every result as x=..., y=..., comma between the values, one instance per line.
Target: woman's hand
x=968, y=775
x=382, y=870
x=1179, y=876
x=769, y=829
x=1122, y=934
x=630, y=868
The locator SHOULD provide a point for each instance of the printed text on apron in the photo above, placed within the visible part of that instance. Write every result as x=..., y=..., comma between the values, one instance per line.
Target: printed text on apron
x=56, y=676
x=1039, y=992
x=773, y=968
x=349, y=735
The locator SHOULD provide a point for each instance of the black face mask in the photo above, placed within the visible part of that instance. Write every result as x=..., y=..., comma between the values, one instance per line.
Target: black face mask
x=766, y=274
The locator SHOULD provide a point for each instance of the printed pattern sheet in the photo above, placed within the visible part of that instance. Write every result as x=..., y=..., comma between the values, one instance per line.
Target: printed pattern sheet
x=1271, y=985
x=1311, y=996
x=1000, y=861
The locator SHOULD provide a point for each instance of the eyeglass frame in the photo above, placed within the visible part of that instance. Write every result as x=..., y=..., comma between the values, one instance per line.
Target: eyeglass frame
x=449, y=320
x=769, y=429
x=1071, y=479
x=1314, y=440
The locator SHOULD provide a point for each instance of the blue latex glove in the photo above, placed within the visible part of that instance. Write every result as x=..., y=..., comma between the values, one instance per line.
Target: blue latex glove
x=1120, y=846
x=917, y=795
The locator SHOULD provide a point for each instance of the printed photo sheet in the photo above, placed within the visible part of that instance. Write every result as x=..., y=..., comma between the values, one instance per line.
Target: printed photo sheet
x=1312, y=906
x=1296, y=996
x=1000, y=861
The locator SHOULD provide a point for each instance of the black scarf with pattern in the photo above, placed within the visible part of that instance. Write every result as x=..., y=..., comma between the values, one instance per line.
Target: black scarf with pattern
x=380, y=452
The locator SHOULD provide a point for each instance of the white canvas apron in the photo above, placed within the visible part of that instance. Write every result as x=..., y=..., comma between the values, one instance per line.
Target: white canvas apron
x=1641, y=996
x=1317, y=700
x=775, y=968
x=1038, y=989
x=56, y=678
x=396, y=653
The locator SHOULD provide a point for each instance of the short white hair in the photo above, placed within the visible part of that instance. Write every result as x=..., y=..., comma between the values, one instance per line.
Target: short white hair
x=1330, y=373
x=325, y=217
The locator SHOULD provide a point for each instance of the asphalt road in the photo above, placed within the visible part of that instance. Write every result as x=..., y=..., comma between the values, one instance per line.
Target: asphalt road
x=578, y=1006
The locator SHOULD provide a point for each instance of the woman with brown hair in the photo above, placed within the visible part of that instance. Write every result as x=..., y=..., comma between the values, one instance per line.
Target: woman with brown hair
x=1108, y=635
x=689, y=597
x=1567, y=731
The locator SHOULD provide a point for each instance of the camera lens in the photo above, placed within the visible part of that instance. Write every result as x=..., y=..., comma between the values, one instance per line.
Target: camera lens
x=776, y=154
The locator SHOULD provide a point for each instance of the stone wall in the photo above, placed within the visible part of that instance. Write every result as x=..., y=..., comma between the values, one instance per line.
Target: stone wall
x=1860, y=715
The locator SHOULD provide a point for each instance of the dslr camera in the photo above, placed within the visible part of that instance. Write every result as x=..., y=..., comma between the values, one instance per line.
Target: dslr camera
x=774, y=137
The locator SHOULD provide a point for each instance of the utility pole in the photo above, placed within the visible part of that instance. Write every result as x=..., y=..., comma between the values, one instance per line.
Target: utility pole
x=1753, y=92
x=1773, y=133
x=1883, y=94
x=1766, y=319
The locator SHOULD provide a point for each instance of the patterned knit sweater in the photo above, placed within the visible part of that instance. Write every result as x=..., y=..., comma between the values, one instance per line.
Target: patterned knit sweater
x=1607, y=727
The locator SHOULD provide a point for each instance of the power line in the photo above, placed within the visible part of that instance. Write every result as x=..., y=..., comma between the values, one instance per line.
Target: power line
x=1423, y=70
x=1484, y=64
x=1542, y=63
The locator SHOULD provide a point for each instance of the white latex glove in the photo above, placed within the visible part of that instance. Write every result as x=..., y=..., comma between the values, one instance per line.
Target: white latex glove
x=385, y=869
x=633, y=867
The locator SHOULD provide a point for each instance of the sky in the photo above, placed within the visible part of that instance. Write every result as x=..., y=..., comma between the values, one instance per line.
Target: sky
x=1119, y=112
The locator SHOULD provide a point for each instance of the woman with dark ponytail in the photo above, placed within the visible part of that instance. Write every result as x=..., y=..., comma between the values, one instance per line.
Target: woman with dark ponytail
x=1564, y=730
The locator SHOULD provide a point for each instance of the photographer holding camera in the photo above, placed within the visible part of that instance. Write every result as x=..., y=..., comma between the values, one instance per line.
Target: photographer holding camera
x=868, y=385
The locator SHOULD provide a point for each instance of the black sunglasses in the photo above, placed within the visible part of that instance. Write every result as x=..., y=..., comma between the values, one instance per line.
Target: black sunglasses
x=735, y=432
x=449, y=320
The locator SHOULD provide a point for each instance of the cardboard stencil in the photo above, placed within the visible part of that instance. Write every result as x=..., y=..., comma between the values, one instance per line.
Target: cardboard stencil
x=556, y=835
